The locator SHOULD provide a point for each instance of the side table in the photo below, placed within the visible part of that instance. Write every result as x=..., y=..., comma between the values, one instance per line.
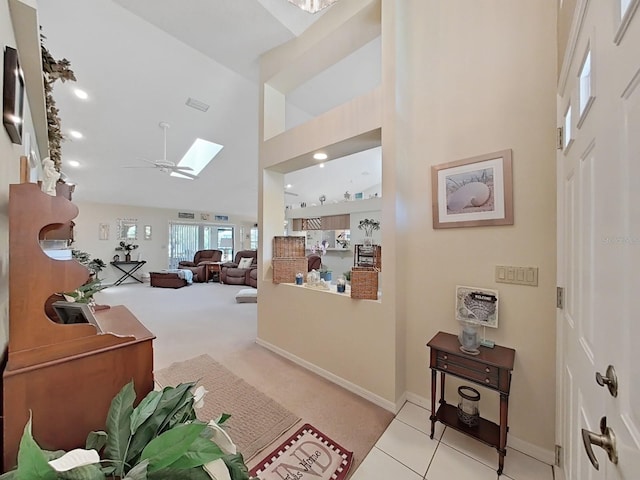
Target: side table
x=491, y=368
x=212, y=270
x=127, y=269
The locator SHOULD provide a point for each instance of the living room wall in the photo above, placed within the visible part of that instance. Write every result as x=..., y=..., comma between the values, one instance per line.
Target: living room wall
x=460, y=79
x=479, y=77
x=154, y=251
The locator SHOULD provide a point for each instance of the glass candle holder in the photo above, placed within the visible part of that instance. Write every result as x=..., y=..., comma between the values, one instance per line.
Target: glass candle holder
x=468, y=412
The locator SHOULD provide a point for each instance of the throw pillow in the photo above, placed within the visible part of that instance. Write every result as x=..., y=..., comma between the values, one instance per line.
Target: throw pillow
x=245, y=262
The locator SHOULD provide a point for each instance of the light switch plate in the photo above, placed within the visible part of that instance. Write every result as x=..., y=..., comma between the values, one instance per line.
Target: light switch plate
x=517, y=275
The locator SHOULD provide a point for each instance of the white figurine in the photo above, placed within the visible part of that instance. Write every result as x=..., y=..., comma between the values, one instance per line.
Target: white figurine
x=50, y=177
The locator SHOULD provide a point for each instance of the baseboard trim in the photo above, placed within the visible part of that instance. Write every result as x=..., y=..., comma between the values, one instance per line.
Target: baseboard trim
x=542, y=454
x=352, y=387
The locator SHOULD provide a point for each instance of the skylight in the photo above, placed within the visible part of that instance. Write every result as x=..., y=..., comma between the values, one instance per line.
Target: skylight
x=198, y=156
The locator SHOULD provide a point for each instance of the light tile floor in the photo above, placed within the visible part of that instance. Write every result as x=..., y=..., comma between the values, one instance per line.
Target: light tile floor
x=405, y=452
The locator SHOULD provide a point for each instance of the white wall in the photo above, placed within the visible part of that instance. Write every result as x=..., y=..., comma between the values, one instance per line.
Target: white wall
x=9, y=173
x=154, y=251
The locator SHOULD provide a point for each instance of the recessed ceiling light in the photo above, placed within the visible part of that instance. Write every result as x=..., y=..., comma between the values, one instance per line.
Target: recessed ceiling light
x=319, y=156
x=288, y=185
x=81, y=94
x=321, y=165
x=73, y=163
x=75, y=134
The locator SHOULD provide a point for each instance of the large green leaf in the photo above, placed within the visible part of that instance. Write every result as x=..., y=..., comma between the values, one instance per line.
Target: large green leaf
x=118, y=424
x=223, y=418
x=170, y=399
x=237, y=469
x=96, y=440
x=86, y=472
x=145, y=409
x=165, y=449
x=171, y=474
x=32, y=462
x=200, y=452
x=139, y=472
x=182, y=410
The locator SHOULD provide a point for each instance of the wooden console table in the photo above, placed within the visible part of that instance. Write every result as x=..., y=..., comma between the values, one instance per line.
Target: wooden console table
x=491, y=368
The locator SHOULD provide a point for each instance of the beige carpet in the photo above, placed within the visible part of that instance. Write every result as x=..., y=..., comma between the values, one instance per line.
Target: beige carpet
x=256, y=419
x=205, y=319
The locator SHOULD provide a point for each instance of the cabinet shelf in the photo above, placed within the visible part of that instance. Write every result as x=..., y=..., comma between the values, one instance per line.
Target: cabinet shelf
x=486, y=431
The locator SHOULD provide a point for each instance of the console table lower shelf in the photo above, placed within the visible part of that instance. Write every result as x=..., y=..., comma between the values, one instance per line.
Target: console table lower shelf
x=486, y=431
x=491, y=368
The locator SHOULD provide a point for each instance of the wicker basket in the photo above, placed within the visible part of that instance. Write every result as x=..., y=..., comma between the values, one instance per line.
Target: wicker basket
x=288, y=247
x=285, y=269
x=364, y=283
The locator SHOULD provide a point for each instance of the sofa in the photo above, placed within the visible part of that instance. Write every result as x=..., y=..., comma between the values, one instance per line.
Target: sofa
x=232, y=273
x=197, y=266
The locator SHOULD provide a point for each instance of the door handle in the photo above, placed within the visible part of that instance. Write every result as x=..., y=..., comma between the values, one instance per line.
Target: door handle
x=606, y=440
x=611, y=380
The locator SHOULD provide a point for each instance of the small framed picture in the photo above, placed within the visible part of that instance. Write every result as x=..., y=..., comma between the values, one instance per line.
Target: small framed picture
x=103, y=231
x=477, y=305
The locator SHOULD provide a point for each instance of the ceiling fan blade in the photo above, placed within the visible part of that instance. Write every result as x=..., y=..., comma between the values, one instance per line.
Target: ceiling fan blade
x=291, y=193
x=188, y=175
x=136, y=166
x=178, y=167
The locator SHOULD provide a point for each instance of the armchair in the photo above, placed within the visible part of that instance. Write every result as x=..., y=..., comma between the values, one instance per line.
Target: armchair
x=197, y=267
x=232, y=274
x=314, y=262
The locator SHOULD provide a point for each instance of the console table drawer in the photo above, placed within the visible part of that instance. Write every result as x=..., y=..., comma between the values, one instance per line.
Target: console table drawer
x=466, y=362
x=485, y=378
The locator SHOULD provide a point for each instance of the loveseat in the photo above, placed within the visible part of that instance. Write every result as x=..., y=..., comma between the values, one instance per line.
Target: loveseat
x=237, y=273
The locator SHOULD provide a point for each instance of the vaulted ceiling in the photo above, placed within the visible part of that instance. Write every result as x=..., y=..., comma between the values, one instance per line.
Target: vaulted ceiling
x=139, y=61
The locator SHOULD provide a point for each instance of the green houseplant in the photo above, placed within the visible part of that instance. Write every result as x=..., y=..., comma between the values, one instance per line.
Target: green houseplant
x=159, y=439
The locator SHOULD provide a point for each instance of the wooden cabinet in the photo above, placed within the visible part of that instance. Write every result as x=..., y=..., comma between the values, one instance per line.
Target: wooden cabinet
x=64, y=231
x=328, y=222
x=367, y=256
x=66, y=375
x=336, y=222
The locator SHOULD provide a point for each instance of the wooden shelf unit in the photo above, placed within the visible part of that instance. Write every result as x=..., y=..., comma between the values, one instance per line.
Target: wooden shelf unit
x=66, y=375
x=491, y=368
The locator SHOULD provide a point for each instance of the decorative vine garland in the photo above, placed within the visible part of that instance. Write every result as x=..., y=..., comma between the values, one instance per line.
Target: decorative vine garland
x=53, y=70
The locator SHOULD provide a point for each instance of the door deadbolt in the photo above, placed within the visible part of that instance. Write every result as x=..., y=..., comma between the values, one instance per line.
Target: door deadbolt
x=611, y=380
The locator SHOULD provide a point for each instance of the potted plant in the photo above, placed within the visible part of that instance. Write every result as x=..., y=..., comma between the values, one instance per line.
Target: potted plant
x=161, y=438
x=325, y=273
x=127, y=248
x=95, y=265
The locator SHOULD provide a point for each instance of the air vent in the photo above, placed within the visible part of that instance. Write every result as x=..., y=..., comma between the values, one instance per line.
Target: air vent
x=197, y=104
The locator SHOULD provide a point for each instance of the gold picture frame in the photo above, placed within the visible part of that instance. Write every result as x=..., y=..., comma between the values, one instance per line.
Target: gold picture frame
x=473, y=192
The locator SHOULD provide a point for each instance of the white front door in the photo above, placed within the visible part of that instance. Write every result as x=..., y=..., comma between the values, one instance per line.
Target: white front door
x=599, y=240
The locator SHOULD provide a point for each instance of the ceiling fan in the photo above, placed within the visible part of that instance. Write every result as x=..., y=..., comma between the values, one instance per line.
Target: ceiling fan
x=165, y=165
